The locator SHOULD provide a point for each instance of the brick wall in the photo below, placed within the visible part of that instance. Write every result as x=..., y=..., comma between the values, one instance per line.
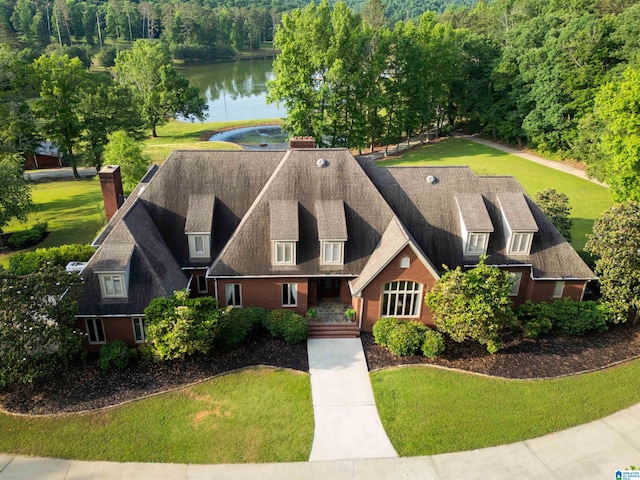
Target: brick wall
x=267, y=292
x=372, y=294
x=115, y=328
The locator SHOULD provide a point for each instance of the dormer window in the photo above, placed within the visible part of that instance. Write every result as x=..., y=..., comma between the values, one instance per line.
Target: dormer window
x=475, y=224
x=284, y=253
x=199, y=225
x=519, y=223
x=332, y=231
x=199, y=245
x=284, y=231
x=520, y=243
x=476, y=243
x=112, y=285
x=332, y=253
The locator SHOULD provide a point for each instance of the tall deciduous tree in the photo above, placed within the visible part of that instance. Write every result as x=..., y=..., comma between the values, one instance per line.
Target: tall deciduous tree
x=62, y=83
x=473, y=304
x=37, y=317
x=555, y=206
x=127, y=152
x=616, y=241
x=15, y=194
x=159, y=91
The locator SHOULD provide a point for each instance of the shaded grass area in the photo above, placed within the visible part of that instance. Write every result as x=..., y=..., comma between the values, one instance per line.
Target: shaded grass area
x=72, y=208
x=427, y=411
x=257, y=415
x=587, y=200
x=191, y=136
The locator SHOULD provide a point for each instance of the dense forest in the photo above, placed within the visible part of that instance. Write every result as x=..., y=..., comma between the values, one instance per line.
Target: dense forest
x=562, y=77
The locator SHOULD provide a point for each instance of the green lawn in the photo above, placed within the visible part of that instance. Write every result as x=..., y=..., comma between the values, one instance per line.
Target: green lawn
x=258, y=415
x=427, y=411
x=72, y=208
x=192, y=136
x=587, y=200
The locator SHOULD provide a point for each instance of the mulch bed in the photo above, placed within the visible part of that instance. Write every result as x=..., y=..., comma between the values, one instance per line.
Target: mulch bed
x=85, y=387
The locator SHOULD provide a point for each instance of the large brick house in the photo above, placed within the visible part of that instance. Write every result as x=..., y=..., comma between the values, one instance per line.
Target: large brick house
x=301, y=228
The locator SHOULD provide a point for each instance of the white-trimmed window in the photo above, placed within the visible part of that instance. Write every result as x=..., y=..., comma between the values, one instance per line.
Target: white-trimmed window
x=233, y=294
x=405, y=262
x=476, y=243
x=202, y=283
x=95, y=331
x=520, y=243
x=289, y=294
x=332, y=253
x=514, y=280
x=284, y=253
x=112, y=285
x=401, y=299
x=199, y=246
x=558, y=289
x=139, y=329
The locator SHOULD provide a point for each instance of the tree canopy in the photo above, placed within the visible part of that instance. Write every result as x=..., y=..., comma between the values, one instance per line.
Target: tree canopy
x=127, y=152
x=159, y=91
x=15, y=194
x=555, y=206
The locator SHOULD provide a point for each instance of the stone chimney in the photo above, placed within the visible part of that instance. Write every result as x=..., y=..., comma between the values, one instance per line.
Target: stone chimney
x=302, y=142
x=112, y=193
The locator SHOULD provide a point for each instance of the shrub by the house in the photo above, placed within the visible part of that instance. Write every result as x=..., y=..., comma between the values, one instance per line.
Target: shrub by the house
x=115, y=355
x=29, y=262
x=180, y=326
x=564, y=316
x=382, y=329
x=433, y=344
x=405, y=338
x=289, y=326
x=239, y=324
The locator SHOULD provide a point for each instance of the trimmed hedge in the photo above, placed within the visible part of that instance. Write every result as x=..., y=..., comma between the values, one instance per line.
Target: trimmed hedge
x=564, y=316
x=27, y=238
x=116, y=354
x=238, y=325
x=404, y=338
x=30, y=262
x=288, y=325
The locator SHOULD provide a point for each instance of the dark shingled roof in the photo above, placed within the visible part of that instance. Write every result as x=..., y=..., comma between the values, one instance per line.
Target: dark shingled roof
x=283, y=220
x=332, y=223
x=200, y=213
x=298, y=178
x=516, y=210
x=474, y=212
x=429, y=212
x=153, y=272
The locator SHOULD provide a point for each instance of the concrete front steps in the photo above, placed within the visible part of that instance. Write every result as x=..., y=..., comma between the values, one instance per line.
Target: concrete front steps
x=333, y=330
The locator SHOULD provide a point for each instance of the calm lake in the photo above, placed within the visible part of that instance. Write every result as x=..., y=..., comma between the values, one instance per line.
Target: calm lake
x=235, y=90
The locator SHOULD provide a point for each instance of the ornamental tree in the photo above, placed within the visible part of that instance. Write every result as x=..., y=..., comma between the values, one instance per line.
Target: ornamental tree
x=15, y=194
x=178, y=326
x=616, y=241
x=37, y=317
x=555, y=206
x=125, y=151
x=472, y=304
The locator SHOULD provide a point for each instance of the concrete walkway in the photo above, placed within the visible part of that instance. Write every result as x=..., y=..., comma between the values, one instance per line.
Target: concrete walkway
x=594, y=451
x=347, y=425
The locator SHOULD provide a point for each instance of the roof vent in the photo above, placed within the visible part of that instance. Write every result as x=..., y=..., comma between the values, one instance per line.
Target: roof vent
x=432, y=180
x=322, y=163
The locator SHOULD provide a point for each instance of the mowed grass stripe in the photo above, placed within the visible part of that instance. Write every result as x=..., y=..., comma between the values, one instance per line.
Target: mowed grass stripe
x=587, y=200
x=427, y=411
x=257, y=415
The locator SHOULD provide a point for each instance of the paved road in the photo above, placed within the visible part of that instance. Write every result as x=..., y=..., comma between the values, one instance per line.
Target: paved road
x=57, y=173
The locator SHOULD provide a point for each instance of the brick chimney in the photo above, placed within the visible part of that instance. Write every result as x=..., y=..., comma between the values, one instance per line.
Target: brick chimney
x=302, y=142
x=112, y=193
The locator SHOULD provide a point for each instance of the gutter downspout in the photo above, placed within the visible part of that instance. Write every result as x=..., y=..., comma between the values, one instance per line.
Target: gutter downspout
x=360, y=319
x=215, y=289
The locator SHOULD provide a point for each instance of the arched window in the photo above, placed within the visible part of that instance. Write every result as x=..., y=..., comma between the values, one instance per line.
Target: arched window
x=401, y=299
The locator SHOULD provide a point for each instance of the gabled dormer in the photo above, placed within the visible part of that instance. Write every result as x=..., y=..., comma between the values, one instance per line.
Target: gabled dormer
x=199, y=225
x=112, y=268
x=475, y=224
x=519, y=224
x=332, y=231
x=284, y=231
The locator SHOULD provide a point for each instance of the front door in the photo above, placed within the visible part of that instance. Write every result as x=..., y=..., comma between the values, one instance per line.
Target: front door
x=328, y=287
